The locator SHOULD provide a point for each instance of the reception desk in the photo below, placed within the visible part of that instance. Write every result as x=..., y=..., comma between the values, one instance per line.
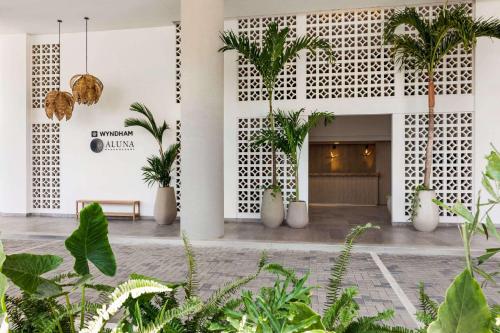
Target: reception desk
x=344, y=188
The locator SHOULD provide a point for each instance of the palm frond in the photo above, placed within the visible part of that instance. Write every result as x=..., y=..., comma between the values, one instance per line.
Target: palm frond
x=159, y=168
x=191, y=286
x=149, y=124
x=408, y=17
x=339, y=269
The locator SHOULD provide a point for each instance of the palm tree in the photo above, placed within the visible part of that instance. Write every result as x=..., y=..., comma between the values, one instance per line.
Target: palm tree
x=159, y=168
x=432, y=40
x=291, y=136
x=270, y=58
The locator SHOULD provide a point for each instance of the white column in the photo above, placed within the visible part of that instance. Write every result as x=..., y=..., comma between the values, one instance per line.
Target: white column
x=202, y=84
x=14, y=118
x=487, y=87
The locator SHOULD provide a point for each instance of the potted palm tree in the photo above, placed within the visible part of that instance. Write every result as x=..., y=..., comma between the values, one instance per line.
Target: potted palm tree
x=293, y=129
x=159, y=167
x=270, y=58
x=423, y=51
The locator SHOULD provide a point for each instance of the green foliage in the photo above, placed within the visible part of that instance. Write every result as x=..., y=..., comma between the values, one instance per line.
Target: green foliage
x=149, y=124
x=436, y=38
x=415, y=201
x=270, y=58
x=159, y=168
x=90, y=242
x=26, y=270
x=291, y=134
x=338, y=270
x=465, y=308
x=428, y=308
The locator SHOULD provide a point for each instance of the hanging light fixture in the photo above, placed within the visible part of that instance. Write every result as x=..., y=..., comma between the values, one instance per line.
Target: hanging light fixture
x=87, y=89
x=57, y=102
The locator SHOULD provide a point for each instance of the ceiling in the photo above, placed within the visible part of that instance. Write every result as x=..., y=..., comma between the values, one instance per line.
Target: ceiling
x=40, y=16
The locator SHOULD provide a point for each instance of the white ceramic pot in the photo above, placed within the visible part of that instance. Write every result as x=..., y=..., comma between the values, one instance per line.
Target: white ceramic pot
x=427, y=215
x=165, y=210
x=297, y=216
x=272, y=210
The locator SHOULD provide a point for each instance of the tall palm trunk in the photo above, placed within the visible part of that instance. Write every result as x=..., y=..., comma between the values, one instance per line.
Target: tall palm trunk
x=431, y=93
x=273, y=148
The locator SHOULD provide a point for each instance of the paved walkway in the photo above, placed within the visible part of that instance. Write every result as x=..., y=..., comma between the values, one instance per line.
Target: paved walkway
x=384, y=280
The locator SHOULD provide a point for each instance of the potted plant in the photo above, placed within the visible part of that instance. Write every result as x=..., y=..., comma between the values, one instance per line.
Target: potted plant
x=293, y=129
x=270, y=57
x=159, y=167
x=423, y=51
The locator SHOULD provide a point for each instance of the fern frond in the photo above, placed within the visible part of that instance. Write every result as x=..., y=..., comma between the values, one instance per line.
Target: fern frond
x=339, y=269
x=131, y=288
x=191, y=286
x=64, y=276
x=279, y=270
x=341, y=313
x=189, y=307
x=428, y=307
x=50, y=325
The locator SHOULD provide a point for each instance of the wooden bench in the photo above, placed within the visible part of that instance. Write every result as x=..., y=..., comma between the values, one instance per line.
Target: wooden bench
x=136, y=207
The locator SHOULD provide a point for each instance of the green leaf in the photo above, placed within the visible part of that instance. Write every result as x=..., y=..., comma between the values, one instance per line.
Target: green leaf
x=489, y=253
x=3, y=282
x=90, y=242
x=305, y=317
x=25, y=271
x=464, y=310
x=493, y=166
x=490, y=226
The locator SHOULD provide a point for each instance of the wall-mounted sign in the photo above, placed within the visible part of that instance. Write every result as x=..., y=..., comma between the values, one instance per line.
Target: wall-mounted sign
x=107, y=140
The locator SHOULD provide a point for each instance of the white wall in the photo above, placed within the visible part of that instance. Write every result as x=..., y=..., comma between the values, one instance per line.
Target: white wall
x=134, y=65
x=13, y=124
x=139, y=65
x=487, y=84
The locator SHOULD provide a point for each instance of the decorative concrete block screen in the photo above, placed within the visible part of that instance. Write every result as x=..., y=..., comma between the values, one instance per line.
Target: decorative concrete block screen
x=254, y=169
x=454, y=75
x=178, y=62
x=250, y=87
x=45, y=161
x=452, y=158
x=363, y=66
x=44, y=72
x=178, y=166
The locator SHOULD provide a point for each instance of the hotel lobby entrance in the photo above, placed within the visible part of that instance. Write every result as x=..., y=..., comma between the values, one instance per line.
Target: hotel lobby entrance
x=350, y=170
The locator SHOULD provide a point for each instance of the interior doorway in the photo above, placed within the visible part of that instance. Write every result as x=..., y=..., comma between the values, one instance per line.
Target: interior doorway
x=350, y=170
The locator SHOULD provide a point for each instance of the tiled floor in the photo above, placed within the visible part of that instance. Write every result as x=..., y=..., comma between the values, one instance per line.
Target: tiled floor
x=329, y=225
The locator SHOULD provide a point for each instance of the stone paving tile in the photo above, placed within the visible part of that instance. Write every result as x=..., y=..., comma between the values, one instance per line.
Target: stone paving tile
x=219, y=265
x=437, y=272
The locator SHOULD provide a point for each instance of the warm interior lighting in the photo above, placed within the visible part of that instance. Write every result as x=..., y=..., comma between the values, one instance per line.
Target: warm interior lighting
x=333, y=152
x=367, y=152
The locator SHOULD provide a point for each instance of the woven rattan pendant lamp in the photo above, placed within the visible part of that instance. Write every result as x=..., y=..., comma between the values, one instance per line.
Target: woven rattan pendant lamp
x=87, y=89
x=57, y=102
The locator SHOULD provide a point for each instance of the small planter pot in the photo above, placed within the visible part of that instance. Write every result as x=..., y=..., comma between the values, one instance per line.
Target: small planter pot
x=297, y=216
x=427, y=215
x=165, y=210
x=272, y=210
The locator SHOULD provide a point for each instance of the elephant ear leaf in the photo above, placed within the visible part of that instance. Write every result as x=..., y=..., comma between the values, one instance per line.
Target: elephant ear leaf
x=3, y=283
x=464, y=310
x=25, y=271
x=90, y=242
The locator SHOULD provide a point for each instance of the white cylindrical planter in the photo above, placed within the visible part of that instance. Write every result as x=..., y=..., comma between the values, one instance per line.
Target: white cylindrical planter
x=272, y=210
x=297, y=216
x=202, y=119
x=165, y=210
x=427, y=215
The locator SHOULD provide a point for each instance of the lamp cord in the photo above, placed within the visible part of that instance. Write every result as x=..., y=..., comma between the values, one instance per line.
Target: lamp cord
x=59, y=83
x=86, y=45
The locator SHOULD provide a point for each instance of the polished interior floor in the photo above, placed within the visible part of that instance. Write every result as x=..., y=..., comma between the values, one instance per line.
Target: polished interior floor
x=328, y=225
